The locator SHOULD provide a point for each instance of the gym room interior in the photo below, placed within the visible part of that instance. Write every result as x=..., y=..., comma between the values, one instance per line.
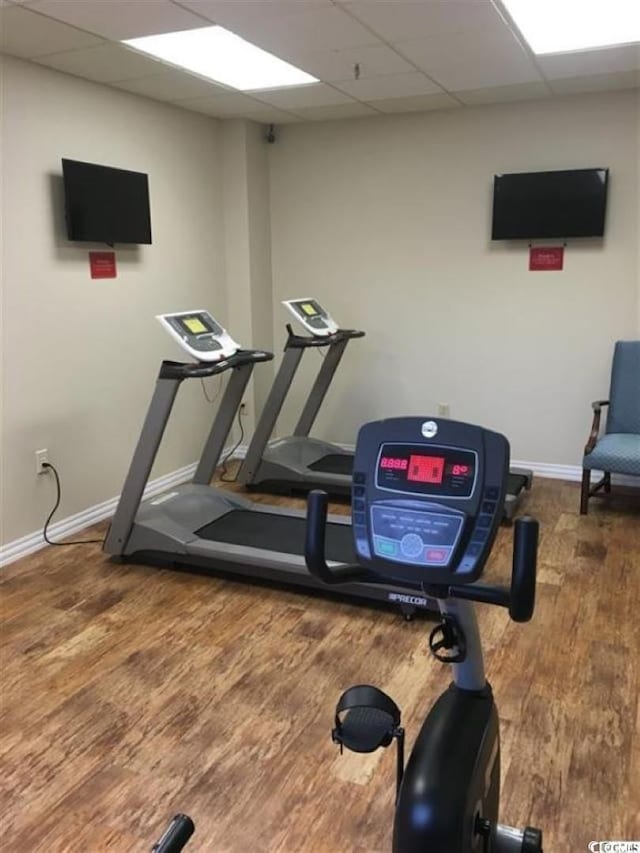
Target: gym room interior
x=457, y=179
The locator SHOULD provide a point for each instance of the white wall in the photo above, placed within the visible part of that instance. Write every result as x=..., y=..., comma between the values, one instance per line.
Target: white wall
x=260, y=255
x=387, y=220
x=245, y=179
x=80, y=356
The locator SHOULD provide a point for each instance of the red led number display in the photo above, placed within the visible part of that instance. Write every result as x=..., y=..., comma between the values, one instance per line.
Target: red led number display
x=426, y=469
x=460, y=470
x=392, y=462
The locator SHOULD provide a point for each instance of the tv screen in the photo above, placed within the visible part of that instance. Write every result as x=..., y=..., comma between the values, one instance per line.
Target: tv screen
x=549, y=204
x=105, y=205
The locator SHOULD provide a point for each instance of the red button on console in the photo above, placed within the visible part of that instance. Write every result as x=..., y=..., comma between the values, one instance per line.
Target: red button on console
x=435, y=555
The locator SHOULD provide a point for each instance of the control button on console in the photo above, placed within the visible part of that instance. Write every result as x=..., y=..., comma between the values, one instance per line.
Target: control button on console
x=474, y=548
x=362, y=547
x=358, y=477
x=386, y=547
x=358, y=518
x=358, y=491
x=492, y=493
x=411, y=545
x=484, y=521
x=436, y=555
x=480, y=535
x=358, y=504
x=489, y=506
x=467, y=564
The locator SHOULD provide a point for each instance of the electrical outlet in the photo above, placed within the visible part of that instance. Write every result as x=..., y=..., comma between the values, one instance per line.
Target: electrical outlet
x=443, y=410
x=42, y=456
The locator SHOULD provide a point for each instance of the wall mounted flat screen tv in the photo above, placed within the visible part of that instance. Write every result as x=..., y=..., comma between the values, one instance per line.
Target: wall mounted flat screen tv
x=562, y=204
x=105, y=205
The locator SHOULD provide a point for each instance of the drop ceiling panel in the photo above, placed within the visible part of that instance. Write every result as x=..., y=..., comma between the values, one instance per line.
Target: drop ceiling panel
x=488, y=73
x=395, y=20
x=27, y=34
x=390, y=86
x=596, y=83
x=230, y=105
x=285, y=28
x=107, y=63
x=270, y=115
x=313, y=95
x=336, y=111
x=463, y=61
x=171, y=86
x=587, y=62
x=416, y=103
x=244, y=11
x=504, y=94
x=408, y=52
x=121, y=19
x=333, y=65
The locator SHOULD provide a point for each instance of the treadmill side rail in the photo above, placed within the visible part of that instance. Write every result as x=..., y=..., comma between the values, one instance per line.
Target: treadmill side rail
x=251, y=471
x=171, y=374
x=272, y=408
x=222, y=423
x=141, y=465
x=320, y=387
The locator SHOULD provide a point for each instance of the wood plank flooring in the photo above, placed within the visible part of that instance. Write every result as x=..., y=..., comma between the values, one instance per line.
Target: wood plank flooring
x=130, y=693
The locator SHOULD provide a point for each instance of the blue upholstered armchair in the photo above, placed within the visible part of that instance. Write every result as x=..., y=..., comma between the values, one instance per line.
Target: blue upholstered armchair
x=618, y=450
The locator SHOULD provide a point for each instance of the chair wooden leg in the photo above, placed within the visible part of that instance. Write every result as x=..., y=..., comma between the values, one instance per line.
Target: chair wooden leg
x=584, y=494
x=607, y=483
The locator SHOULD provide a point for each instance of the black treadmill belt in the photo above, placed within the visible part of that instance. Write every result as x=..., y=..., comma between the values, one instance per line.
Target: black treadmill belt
x=334, y=463
x=515, y=483
x=275, y=532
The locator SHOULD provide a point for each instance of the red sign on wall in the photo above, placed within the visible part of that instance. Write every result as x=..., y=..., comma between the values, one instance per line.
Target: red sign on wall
x=544, y=258
x=102, y=264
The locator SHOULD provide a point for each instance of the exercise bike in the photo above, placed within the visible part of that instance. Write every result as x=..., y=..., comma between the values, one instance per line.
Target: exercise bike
x=427, y=502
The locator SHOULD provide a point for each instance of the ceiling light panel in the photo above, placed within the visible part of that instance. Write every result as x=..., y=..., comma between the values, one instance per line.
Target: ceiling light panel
x=558, y=26
x=222, y=56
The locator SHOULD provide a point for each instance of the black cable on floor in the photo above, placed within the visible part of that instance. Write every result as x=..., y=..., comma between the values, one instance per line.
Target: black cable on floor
x=223, y=473
x=52, y=513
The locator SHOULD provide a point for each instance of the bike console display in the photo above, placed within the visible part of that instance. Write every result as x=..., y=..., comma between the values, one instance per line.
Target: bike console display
x=427, y=498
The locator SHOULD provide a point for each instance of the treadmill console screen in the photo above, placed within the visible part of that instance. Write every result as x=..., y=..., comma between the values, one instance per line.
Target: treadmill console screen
x=198, y=324
x=309, y=309
x=312, y=316
x=435, y=471
x=199, y=334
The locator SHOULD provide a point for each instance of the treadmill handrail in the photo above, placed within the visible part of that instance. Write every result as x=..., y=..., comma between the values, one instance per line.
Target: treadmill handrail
x=200, y=369
x=314, y=545
x=302, y=341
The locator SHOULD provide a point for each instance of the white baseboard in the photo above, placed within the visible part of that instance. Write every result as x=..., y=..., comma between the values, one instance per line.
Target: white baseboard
x=75, y=523
x=572, y=473
x=32, y=542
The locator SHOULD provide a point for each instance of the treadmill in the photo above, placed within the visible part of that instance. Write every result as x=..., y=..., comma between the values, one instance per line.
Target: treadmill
x=299, y=463
x=211, y=530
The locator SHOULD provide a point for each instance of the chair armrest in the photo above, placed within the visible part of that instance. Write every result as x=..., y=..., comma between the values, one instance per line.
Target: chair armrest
x=595, y=426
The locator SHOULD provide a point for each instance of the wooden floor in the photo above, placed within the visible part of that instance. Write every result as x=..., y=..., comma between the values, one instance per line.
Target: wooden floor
x=129, y=694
